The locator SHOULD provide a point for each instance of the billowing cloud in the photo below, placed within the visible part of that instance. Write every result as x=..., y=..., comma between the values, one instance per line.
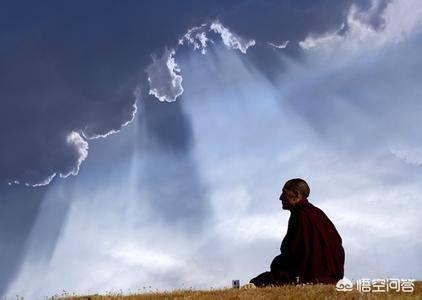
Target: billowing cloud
x=56, y=79
x=198, y=38
x=89, y=89
x=80, y=149
x=231, y=39
x=38, y=152
x=51, y=106
x=400, y=21
x=81, y=146
x=164, y=77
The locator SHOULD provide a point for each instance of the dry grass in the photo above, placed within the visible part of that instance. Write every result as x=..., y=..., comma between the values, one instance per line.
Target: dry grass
x=285, y=292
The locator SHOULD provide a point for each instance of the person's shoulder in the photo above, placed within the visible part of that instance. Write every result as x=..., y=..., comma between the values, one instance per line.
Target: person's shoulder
x=307, y=210
x=315, y=213
x=311, y=209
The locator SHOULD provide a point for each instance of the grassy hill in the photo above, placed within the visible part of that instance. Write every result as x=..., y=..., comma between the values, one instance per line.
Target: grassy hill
x=284, y=292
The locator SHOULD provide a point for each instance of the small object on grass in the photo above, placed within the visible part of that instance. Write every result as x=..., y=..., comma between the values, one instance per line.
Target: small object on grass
x=236, y=284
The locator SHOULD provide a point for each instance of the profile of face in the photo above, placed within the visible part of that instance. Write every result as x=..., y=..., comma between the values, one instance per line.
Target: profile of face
x=289, y=198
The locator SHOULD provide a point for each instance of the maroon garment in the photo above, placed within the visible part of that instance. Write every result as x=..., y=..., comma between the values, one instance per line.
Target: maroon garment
x=311, y=250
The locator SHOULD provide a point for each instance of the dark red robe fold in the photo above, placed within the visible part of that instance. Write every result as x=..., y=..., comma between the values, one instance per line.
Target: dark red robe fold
x=311, y=251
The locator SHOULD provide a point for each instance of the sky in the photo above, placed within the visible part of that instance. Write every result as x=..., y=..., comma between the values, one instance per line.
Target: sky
x=145, y=143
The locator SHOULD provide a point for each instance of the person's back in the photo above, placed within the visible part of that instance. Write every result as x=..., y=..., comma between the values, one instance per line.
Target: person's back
x=318, y=248
x=312, y=249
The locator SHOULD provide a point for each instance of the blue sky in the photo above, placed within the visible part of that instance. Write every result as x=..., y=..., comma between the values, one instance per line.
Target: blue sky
x=171, y=129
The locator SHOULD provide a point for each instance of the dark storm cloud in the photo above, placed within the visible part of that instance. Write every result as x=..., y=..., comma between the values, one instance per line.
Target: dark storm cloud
x=73, y=67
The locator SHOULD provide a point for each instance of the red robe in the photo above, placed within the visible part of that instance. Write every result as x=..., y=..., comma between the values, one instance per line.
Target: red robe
x=311, y=251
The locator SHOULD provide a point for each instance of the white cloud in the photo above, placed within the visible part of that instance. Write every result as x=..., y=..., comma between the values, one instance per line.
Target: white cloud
x=230, y=39
x=81, y=146
x=313, y=41
x=47, y=180
x=401, y=20
x=164, y=77
x=136, y=94
x=279, y=46
x=197, y=37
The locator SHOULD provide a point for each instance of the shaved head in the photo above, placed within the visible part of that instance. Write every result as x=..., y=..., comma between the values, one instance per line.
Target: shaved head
x=298, y=186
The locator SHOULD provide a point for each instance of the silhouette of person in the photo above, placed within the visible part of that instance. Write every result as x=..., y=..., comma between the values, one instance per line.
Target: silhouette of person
x=311, y=251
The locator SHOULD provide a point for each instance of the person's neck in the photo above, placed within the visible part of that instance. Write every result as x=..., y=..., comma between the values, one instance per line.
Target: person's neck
x=300, y=203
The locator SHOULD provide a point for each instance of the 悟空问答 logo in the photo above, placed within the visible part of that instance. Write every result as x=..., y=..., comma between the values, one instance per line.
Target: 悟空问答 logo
x=344, y=285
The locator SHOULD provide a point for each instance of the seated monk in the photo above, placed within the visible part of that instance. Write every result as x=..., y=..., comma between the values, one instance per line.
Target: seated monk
x=311, y=251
